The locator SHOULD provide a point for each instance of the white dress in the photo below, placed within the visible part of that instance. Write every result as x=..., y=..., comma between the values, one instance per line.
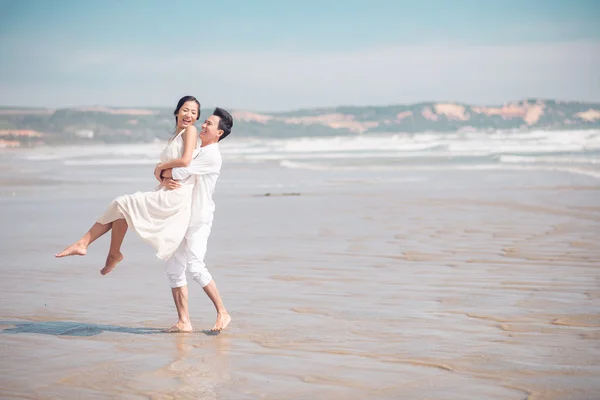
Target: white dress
x=161, y=217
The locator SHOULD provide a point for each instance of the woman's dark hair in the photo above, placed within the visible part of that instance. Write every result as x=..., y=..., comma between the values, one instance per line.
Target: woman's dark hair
x=225, y=122
x=184, y=100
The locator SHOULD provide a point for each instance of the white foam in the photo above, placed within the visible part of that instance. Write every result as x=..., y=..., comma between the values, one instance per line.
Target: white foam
x=308, y=166
x=542, y=149
x=550, y=159
x=471, y=142
x=461, y=143
x=150, y=150
x=474, y=167
x=42, y=157
x=350, y=155
x=522, y=148
x=114, y=161
x=341, y=143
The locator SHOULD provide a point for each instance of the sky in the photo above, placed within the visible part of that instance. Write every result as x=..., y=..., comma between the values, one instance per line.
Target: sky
x=282, y=55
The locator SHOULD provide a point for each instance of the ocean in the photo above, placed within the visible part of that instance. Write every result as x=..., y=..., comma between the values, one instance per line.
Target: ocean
x=577, y=152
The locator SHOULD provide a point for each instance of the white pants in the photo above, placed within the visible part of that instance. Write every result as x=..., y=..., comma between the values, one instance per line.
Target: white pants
x=189, y=257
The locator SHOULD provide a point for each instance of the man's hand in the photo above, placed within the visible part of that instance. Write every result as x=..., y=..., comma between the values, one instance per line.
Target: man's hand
x=157, y=172
x=170, y=184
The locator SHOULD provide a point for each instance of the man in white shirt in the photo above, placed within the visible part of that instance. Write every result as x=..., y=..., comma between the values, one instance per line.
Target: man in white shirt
x=190, y=254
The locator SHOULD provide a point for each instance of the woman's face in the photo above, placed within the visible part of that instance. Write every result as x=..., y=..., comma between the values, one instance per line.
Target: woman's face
x=187, y=114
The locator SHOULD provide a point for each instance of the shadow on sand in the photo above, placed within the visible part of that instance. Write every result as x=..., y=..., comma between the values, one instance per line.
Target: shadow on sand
x=67, y=328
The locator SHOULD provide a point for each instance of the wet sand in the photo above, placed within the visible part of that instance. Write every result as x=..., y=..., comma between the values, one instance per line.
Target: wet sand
x=428, y=285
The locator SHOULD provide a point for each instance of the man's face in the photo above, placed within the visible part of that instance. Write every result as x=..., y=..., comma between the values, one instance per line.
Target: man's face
x=210, y=132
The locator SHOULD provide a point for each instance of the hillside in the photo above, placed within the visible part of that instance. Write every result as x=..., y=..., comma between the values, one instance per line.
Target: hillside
x=30, y=127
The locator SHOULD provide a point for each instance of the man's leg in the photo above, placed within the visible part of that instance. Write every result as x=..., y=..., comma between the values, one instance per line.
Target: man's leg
x=175, y=269
x=223, y=317
x=197, y=240
x=180, y=297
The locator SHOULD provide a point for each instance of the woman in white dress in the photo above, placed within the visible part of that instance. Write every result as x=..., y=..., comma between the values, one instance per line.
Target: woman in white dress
x=160, y=217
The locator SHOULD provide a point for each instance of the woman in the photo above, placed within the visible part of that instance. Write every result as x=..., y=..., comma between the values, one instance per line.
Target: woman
x=160, y=217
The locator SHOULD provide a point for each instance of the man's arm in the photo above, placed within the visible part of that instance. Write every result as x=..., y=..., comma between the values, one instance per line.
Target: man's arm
x=199, y=166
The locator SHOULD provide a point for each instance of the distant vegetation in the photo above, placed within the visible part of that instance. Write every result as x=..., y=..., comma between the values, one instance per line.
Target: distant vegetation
x=29, y=127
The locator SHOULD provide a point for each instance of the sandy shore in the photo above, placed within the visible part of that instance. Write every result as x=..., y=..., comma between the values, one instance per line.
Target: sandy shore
x=463, y=285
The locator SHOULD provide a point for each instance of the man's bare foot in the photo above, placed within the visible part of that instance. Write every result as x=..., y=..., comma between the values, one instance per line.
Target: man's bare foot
x=181, y=327
x=223, y=319
x=76, y=249
x=111, y=261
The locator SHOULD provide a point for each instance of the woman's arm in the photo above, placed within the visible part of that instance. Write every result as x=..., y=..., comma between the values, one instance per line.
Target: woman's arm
x=190, y=139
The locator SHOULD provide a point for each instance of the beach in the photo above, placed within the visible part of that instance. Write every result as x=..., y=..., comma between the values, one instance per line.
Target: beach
x=348, y=277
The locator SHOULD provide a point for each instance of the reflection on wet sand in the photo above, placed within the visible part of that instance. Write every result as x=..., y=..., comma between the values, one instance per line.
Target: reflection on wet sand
x=68, y=328
x=179, y=366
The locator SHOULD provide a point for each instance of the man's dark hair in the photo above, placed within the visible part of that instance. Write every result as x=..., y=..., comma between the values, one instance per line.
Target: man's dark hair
x=225, y=122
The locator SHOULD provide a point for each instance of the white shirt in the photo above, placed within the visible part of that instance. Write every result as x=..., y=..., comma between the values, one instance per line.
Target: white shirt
x=205, y=167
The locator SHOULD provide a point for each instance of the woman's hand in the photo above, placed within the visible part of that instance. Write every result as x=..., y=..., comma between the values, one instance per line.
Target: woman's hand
x=157, y=172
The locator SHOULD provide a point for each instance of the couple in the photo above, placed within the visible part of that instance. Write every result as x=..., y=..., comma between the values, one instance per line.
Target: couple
x=176, y=218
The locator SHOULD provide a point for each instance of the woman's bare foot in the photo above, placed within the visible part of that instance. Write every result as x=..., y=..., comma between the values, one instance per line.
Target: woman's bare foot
x=76, y=249
x=111, y=261
x=181, y=327
x=223, y=319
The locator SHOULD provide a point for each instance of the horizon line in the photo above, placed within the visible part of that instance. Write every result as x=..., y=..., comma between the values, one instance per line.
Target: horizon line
x=139, y=107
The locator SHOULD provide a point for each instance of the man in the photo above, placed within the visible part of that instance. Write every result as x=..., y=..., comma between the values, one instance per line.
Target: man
x=190, y=254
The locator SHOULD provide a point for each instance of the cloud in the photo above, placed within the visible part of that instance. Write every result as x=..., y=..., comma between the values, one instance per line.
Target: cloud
x=281, y=80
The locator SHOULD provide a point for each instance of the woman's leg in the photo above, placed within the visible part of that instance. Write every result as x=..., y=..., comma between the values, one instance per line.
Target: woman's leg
x=119, y=229
x=79, y=248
